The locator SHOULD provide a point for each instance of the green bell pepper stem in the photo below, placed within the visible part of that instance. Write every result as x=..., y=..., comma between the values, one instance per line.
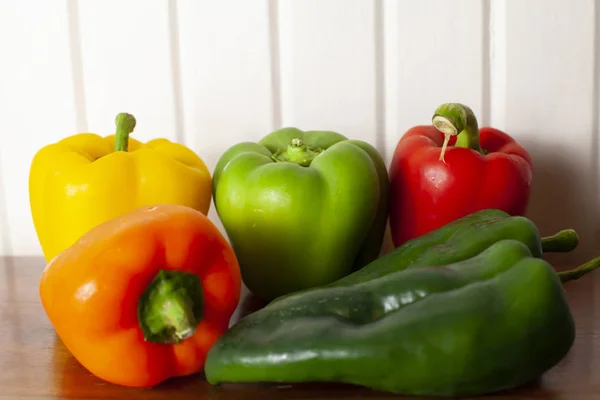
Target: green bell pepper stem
x=297, y=152
x=561, y=242
x=170, y=307
x=125, y=125
x=574, y=274
x=457, y=119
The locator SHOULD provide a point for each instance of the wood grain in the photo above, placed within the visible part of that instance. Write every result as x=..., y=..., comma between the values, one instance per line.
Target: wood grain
x=35, y=365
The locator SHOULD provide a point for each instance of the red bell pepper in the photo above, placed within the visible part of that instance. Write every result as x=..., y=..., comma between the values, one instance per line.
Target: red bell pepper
x=444, y=171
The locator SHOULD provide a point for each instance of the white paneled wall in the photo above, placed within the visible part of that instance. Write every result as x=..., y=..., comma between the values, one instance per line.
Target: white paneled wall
x=550, y=103
x=436, y=52
x=329, y=65
x=210, y=73
x=36, y=104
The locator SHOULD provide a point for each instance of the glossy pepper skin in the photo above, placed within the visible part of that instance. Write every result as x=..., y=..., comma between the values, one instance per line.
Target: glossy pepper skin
x=85, y=179
x=488, y=323
x=142, y=297
x=452, y=168
x=301, y=209
x=464, y=238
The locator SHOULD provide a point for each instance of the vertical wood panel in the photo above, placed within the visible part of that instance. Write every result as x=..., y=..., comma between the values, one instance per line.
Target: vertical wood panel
x=328, y=66
x=549, y=108
x=596, y=124
x=5, y=240
x=81, y=124
x=226, y=75
x=126, y=56
x=36, y=103
x=435, y=53
x=498, y=26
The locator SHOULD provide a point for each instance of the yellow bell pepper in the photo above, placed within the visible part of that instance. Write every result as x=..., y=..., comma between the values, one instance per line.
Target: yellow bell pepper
x=86, y=179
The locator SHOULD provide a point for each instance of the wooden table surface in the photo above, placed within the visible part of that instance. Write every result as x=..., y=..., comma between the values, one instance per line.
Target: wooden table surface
x=35, y=365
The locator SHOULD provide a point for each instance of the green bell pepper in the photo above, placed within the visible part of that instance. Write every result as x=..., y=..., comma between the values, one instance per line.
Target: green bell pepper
x=301, y=209
x=481, y=325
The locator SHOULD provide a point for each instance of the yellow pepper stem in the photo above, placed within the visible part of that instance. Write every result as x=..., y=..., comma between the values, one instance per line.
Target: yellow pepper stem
x=125, y=125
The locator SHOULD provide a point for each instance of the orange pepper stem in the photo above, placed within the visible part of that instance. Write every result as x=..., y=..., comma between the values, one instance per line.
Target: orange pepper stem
x=125, y=125
x=171, y=307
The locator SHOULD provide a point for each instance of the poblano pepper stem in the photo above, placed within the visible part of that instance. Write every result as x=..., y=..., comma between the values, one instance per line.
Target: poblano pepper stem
x=457, y=119
x=125, y=125
x=571, y=275
x=297, y=152
x=561, y=242
x=171, y=307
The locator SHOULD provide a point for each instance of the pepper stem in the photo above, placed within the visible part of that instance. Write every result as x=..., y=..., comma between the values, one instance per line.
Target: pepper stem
x=125, y=125
x=573, y=274
x=297, y=152
x=561, y=242
x=457, y=119
x=171, y=307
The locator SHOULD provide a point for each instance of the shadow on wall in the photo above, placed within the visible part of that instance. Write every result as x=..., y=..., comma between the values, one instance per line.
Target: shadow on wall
x=562, y=197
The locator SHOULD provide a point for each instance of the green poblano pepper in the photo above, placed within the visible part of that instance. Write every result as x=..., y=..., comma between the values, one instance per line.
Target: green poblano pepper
x=462, y=239
x=301, y=209
x=477, y=326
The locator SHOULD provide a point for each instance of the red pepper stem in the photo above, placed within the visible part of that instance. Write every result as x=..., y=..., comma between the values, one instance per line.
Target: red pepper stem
x=457, y=119
x=125, y=125
x=171, y=307
x=561, y=242
x=573, y=274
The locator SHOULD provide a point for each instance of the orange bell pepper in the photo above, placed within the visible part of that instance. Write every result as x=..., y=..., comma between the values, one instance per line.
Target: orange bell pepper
x=142, y=297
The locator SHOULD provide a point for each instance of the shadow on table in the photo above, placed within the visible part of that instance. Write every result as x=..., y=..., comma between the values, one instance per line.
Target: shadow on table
x=71, y=380
x=249, y=304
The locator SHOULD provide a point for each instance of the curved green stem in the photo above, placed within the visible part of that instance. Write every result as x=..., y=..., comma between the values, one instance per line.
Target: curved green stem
x=561, y=242
x=297, y=152
x=457, y=119
x=125, y=125
x=571, y=275
x=171, y=307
